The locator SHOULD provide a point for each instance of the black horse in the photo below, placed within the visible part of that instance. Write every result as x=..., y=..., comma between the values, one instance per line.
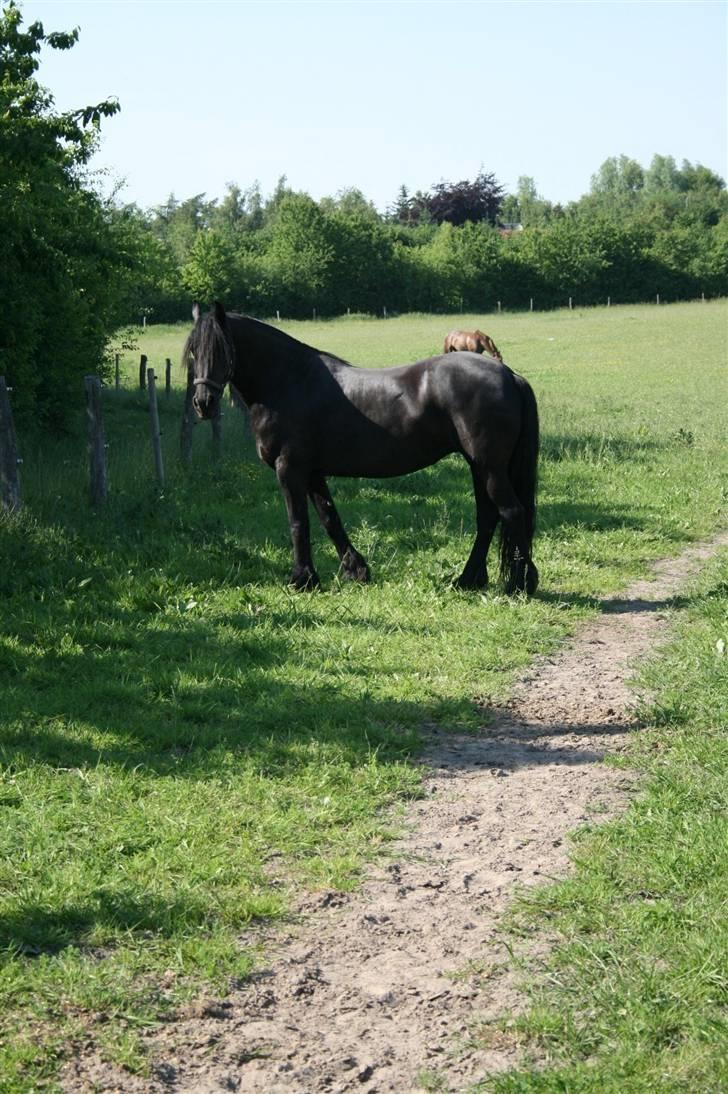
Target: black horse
x=314, y=415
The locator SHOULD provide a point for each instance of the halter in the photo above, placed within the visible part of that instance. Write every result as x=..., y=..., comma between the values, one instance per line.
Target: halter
x=213, y=383
x=228, y=375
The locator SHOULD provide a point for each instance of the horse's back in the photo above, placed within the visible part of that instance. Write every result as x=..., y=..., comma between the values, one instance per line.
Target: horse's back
x=460, y=370
x=473, y=340
x=467, y=375
x=458, y=340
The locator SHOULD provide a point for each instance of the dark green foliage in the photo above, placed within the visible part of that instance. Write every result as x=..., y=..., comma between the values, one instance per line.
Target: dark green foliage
x=465, y=201
x=637, y=234
x=66, y=258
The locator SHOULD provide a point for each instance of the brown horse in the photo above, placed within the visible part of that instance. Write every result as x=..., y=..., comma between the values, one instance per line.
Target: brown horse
x=473, y=340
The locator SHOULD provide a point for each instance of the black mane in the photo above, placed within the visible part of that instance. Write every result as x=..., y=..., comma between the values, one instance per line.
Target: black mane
x=206, y=339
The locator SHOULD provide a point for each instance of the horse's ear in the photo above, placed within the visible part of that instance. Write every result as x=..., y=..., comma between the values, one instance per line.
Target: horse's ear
x=219, y=313
x=196, y=312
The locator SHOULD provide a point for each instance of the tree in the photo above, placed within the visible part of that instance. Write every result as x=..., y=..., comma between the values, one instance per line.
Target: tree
x=59, y=266
x=567, y=258
x=617, y=177
x=239, y=211
x=351, y=202
x=297, y=258
x=526, y=207
x=178, y=222
x=662, y=175
x=210, y=271
x=407, y=208
x=361, y=270
x=462, y=201
x=147, y=279
x=697, y=177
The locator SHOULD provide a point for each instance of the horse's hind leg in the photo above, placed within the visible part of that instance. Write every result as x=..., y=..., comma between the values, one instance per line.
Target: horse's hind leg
x=475, y=574
x=354, y=566
x=518, y=570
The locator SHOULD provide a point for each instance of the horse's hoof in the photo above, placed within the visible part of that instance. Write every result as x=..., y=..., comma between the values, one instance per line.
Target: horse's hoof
x=361, y=577
x=355, y=569
x=524, y=579
x=465, y=582
x=357, y=573
x=304, y=579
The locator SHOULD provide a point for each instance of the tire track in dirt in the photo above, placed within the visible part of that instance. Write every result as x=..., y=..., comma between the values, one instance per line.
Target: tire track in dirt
x=369, y=990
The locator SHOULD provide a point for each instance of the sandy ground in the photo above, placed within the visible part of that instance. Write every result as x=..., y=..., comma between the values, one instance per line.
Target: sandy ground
x=373, y=990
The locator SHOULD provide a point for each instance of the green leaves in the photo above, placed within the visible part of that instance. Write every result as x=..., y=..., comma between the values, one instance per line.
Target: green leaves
x=61, y=269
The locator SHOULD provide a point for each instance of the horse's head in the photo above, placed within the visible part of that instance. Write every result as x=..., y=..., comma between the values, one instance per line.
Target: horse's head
x=210, y=358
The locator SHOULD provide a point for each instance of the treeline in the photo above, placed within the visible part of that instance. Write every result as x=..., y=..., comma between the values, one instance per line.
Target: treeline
x=638, y=233
x=75, y=267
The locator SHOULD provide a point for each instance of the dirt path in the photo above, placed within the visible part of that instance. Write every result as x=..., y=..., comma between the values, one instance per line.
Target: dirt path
x=366, y=991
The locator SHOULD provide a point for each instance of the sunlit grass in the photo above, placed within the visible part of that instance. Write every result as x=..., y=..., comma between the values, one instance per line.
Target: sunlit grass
x=634, y=996
x=184, y=739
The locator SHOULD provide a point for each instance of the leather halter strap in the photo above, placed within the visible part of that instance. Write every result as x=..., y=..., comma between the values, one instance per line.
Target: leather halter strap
x=211, y=383
x=215, y=384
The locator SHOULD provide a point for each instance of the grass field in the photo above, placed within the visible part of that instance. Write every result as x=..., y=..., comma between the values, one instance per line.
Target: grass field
x=634, y=996
x=184, y=740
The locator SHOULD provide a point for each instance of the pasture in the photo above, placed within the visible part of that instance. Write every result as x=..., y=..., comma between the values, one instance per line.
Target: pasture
x=187, y=742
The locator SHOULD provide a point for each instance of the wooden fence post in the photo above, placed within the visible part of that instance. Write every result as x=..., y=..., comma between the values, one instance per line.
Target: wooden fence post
x=168, y=376
x=9, y=460
x=188, y=424
x=217, y=432
x=98, y=479
x=238, y=403
x=154, y=424
x=143, y=371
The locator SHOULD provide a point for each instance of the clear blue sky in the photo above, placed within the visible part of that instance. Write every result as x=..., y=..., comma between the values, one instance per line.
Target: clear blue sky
x=377, y=95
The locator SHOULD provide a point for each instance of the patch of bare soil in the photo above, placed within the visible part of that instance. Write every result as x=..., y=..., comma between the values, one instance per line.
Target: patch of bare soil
x=373, y=990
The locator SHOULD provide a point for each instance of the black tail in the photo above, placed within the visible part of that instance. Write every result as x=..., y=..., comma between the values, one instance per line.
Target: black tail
x=523, y=473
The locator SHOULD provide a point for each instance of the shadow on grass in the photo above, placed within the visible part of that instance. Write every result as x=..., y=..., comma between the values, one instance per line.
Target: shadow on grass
x=597, y=448
x=135, y=688
x=33, y=930
x=173, y=701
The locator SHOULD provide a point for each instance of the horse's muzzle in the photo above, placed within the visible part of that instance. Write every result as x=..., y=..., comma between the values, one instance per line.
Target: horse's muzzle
x=204, y=402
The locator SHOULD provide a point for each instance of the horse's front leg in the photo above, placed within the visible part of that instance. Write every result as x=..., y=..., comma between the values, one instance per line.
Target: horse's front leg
x=293, y=485
x=354, y=565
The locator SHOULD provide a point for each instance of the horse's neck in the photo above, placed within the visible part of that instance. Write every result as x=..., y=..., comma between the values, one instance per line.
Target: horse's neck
x=264, y=363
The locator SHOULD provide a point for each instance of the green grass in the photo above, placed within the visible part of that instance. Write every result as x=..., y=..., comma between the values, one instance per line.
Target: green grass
x=634, y=996
x=184, y=740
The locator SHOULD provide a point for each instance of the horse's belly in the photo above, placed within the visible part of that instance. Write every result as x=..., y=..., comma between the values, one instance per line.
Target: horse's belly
x=386, y=459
